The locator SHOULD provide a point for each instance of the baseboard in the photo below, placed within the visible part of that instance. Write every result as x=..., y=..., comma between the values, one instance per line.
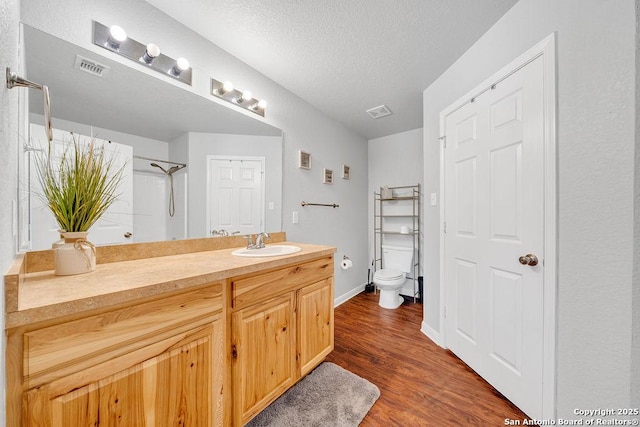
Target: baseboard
x=431, y=333
x=346, y=297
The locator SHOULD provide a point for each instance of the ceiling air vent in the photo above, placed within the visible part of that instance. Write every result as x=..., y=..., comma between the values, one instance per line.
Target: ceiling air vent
x=91, y=67
x=379, y=111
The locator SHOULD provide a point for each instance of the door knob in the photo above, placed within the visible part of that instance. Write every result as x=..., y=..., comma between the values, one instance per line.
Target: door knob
x=128, y=234
x=528, y=259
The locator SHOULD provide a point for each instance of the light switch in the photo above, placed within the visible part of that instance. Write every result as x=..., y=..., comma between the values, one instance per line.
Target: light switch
x=270, y=206
x=434, y=199
x=295, y=217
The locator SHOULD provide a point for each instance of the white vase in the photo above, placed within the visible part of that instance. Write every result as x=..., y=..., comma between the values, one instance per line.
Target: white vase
x=60, y=242
x=75, y=256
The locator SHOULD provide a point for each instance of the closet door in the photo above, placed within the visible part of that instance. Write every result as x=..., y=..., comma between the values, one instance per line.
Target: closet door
x=494, y=241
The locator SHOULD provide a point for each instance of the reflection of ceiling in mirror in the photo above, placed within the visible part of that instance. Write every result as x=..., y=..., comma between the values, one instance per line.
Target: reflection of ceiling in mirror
x=124, y=99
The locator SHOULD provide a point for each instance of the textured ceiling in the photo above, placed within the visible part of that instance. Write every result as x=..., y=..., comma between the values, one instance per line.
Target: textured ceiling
x=346, y=56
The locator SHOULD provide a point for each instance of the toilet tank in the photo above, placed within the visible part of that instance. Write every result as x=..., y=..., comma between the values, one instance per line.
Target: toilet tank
x=398, y=257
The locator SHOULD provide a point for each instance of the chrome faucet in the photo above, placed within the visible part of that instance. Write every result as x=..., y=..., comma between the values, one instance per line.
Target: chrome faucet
x=260, y=240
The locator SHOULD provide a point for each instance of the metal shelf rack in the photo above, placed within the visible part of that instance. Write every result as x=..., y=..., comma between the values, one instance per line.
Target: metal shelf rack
x=407, y=208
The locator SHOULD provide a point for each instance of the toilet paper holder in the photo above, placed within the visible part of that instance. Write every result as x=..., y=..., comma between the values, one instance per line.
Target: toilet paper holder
x=346, y=263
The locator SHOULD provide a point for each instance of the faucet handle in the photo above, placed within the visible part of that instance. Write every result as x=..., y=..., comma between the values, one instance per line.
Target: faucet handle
x=249, y=238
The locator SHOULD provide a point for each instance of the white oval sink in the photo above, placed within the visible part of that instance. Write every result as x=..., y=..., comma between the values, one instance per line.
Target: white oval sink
x=270, y=250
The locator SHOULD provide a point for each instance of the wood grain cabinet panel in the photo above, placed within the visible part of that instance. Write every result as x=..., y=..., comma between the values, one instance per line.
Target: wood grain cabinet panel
x=155, y=363
x=175, y=388
x=263, y=352
x=254, y=289
x=315, y=324
x=63, y=349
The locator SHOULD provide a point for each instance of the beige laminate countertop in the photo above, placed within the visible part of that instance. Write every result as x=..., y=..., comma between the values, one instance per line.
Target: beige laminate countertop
x=43, y=296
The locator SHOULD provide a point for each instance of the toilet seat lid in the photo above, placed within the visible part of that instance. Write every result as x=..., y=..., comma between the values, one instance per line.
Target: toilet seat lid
x=389, y=274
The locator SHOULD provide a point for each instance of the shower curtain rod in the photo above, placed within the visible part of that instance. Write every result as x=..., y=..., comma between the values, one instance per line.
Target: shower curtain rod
x=184, y=165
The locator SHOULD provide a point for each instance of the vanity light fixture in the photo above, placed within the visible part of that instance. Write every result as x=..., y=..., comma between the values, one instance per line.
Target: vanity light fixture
x=241, y=98
x=115, y=39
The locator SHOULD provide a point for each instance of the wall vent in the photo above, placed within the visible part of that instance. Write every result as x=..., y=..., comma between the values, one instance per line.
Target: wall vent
x=379, y=111
x=91, y=67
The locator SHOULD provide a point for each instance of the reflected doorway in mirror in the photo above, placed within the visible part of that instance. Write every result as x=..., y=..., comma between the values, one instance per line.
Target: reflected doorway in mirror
x=236, y=193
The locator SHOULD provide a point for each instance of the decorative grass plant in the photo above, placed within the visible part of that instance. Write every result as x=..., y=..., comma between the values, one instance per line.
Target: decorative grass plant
x=80, y=187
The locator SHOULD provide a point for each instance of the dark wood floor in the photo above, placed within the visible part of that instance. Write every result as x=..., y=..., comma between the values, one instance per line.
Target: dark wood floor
x=420, y=383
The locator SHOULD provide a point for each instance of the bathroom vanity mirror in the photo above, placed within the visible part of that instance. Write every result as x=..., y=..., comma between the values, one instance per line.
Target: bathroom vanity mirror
x=166, y=125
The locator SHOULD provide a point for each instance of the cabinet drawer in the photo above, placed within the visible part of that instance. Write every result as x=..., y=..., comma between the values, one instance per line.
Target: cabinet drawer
x=60, y=350
x=253, y=289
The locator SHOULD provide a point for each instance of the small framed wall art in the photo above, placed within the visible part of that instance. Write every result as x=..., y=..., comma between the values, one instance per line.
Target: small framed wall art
x=327, y=176
x=304, y=160
x=345, y=171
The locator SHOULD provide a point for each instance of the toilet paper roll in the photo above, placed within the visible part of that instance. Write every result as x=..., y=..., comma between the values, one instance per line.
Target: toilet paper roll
x=346, y=264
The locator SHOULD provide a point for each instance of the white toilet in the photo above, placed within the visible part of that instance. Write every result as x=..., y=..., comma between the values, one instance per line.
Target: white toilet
x=397, y=262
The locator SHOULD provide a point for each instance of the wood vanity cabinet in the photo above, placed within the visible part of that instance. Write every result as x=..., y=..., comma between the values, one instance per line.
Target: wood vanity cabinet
x=282, y=327
x=211, y=355
x=158, y=363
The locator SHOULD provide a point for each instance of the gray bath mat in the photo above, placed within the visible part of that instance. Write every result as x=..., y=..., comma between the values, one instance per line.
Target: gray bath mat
x=329, y=396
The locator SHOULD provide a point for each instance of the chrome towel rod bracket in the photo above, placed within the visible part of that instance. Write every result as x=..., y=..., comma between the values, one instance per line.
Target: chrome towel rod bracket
x=332, y=205
x=13, y=80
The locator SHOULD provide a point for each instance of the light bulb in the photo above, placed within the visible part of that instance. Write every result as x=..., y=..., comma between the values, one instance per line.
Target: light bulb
x=260, y=105
x=227, y=87
x=116, y=36
x=180, y=66
x=246, y=96
x=152, y=52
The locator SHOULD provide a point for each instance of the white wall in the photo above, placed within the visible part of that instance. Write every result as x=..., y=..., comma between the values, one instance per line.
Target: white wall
x=9, y=15
x=201, y=145
x=395, y=160
x=595, y=49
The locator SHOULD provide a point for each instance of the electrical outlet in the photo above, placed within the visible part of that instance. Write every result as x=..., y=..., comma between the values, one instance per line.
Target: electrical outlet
x=434, y=199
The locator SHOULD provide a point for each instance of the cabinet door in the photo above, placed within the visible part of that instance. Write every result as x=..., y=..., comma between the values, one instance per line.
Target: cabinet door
x=179, y=386
x=315, y=324
x=263, y=355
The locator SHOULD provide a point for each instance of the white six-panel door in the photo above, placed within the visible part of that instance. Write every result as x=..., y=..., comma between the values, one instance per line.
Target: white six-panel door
x=494, y=213
x=236, y=194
